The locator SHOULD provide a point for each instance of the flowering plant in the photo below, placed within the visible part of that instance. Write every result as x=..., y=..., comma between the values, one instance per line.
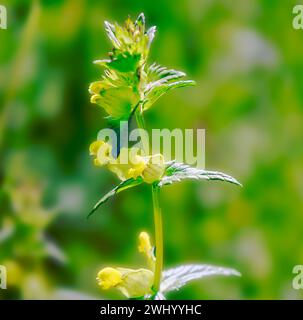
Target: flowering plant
x=128, y=87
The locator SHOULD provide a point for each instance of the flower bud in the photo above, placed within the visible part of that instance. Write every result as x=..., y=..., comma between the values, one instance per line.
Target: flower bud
x=154, y=169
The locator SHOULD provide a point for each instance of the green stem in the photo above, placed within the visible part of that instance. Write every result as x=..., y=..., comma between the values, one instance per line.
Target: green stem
x=159, y=238
x=140, y=119
x=157, y=221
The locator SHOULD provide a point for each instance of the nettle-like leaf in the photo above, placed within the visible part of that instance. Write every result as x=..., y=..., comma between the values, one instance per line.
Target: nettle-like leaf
x=160, y=81
x=127, y=79
x=124, y=185
x=175, y=278
x=176, y=172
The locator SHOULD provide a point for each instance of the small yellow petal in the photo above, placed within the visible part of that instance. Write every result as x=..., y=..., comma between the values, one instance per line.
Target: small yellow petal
x=109, y=277
x=94, y=147
x=95, y=87
x=97, y=163
x=104, y=154
x=95, y=98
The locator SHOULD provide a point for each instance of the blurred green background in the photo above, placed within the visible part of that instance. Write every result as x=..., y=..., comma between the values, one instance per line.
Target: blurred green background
x=247, y=61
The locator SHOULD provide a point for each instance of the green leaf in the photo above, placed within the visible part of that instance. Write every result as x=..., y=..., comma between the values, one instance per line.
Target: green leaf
x=175, y=278
x=176, y=172
x=159, y=81
x=119, y=188
x=157, y=89
x=156, y=73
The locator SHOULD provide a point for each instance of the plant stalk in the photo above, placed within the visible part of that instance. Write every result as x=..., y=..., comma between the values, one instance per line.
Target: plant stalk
x=157, y=221
x=159, y=238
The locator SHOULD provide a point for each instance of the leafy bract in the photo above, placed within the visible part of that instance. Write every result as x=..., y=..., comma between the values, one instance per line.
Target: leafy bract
x=176, y=172
x=160, y=81
x=127, y=78
x=126, y=184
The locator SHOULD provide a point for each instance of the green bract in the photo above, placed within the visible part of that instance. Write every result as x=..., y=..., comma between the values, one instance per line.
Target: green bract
x=128, y=81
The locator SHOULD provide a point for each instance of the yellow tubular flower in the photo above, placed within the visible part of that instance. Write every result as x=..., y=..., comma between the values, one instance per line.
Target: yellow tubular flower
x=130, y=282
x=128, y=165
x=94, y=147
x=102, y=152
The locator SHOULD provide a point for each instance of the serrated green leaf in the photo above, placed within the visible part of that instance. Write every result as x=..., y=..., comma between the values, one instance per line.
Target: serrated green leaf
x=176, y=172
x=158, y=89
x=159, y=81
x=156, y=72
x=119, y=188
x=175, y=278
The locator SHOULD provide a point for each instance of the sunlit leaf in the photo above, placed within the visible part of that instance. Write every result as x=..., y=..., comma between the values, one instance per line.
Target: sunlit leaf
x=119, y=188
x=175, y=278
x=176, y=172
x=159, y=88
x=158, y=74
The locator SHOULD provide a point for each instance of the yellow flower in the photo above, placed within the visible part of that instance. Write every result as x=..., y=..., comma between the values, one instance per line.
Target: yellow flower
x=108, y=278
x=129, y=164
x=133, y=283
x=94, y=147
x=102, y=152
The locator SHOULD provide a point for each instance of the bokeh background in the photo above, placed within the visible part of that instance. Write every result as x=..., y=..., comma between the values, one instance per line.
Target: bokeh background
x=247, y=61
